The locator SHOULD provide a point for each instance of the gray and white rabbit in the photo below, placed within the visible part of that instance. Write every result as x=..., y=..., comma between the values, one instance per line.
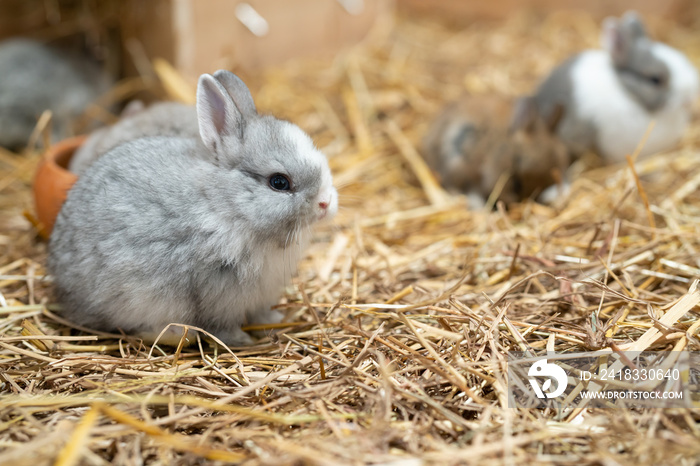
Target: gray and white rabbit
x=35, y=77
x=204, y=232
x=136, y=121
x=476, y=140
x=612, y=95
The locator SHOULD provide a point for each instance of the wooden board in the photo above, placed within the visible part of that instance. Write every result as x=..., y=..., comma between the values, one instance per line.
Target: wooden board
x=199, y=36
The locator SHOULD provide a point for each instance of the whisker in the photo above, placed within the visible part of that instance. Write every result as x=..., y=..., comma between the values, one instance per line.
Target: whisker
x=339, y=186
x=284, y=256
x=293, y=252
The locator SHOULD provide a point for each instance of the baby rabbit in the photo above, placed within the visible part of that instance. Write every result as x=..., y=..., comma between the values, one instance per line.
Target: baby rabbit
x=36, y=77
x=477, y=139
x=611, y=95
x=203, y=232
x=160, y=119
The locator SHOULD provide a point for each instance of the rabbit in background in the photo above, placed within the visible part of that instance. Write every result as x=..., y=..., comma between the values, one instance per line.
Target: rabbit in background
x=478, y=139
x=37, y=77
x=136, y=121
x=611, y=96
x=201, y=231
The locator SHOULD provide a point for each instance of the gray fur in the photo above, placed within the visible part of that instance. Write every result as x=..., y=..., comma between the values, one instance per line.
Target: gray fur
x=557, y=91
x=37, y=77
x=156, y=232
x=161, y=119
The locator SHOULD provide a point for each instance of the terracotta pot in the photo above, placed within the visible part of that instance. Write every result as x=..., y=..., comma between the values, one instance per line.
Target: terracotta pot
x=53, y=181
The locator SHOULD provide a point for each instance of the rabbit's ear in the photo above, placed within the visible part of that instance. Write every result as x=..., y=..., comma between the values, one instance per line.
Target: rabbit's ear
x=619, y=35
x=611, y=37
x=632, y=24
x=132, y=108
x=217, y=114
x=524, y=115
x=554, y=118
x=238, y=91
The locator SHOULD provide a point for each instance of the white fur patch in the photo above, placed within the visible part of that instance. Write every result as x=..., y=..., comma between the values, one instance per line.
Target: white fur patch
x=554, y=193
x=684, y=76
x=302, y=142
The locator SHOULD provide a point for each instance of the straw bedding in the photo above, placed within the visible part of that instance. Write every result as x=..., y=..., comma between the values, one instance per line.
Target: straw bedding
x=403, y=309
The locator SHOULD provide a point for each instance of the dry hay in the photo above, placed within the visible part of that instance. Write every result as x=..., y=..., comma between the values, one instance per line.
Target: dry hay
x=403, y=310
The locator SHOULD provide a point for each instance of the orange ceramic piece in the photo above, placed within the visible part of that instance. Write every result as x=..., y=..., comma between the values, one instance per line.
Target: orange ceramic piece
x=53, y=181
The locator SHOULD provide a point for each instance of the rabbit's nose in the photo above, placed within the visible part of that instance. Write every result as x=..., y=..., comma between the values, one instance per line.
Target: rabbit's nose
x=323, y=205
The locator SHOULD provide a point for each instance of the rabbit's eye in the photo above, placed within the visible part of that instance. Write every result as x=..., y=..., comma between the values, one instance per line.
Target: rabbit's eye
x=279, y=182
x=655, y=80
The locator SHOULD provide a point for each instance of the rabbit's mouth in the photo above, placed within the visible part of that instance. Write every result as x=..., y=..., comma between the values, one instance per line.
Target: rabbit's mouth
x=328, y=208
x=323, y=214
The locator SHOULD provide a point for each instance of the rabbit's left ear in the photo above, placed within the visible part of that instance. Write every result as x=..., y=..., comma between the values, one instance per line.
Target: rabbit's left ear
x=527, y=114
x=619, y=35
x=132, y=108
x=611, y=38
x=524, y=115
x=554, y=118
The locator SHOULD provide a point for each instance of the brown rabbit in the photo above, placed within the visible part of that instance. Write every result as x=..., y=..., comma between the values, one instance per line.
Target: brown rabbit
x=477, y=139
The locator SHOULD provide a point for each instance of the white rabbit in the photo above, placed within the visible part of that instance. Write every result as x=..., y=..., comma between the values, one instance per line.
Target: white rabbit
x=203, y=232
x=612, y=95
